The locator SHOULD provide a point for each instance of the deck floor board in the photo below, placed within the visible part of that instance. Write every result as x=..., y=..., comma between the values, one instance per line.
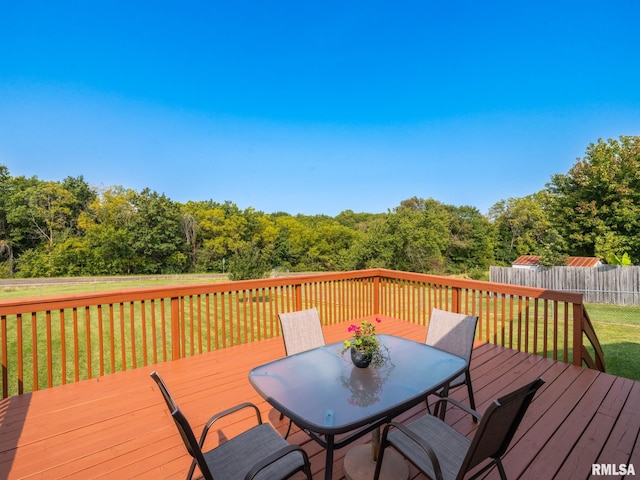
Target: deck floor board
x=117, y=426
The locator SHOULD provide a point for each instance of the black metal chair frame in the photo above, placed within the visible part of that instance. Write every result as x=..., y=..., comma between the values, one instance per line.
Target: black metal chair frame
x=195, y=447
x=495, y=431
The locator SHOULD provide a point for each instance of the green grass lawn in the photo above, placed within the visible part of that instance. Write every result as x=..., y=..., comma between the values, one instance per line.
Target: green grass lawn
x=618, y=329
x=26, y=288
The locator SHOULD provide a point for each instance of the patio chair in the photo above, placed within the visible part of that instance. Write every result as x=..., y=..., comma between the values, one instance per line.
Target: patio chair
x=257, y=453
x=441, y=452
x=454, y=333
x=301, y=330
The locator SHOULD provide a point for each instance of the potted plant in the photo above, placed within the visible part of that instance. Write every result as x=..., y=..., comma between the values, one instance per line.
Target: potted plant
x=365, y=347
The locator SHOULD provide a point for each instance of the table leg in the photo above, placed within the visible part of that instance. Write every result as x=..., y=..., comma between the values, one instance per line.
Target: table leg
x=375, y=443
x=360, y=461
x=328, y=467
x=441, y=410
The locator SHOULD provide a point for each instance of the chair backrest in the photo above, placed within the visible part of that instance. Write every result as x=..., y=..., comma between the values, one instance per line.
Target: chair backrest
x=498, y=425
x=452, y=332
x=301, y=330
x=186, y=432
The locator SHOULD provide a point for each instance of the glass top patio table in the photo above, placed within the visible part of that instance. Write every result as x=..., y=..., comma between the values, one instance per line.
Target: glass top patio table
x=323, y=393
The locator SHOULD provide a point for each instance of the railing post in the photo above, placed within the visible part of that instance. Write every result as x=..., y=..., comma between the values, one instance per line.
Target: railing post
x=578, y=318
x=175, y=328
x=297, y=290
x=456, y=299
x=376, y=295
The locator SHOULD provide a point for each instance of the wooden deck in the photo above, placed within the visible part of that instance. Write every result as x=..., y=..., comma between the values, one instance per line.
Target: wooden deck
x=118, y=426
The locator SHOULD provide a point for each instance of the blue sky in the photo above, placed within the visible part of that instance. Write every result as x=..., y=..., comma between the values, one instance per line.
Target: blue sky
x=315, y=106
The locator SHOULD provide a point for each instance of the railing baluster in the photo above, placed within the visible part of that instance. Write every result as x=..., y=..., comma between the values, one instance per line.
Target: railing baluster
x=87, y=321
x=163, y=327
x=100, y=339
x=207, y=312
x=63, y=349
x=545, y=346
x=49, y=352
x=76, y=346
x=132, y=337
x=123, y=343
x=143, y=328
x=536, y=314
x=154, y=331
x=555, y=330
x=34, y=350
x=216, y=321
x=175, y=328
x=112, y=338
x=5, y=356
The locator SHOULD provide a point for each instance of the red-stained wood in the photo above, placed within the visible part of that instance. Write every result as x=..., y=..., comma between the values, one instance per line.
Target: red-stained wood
x=117, y=426
x=237, y=319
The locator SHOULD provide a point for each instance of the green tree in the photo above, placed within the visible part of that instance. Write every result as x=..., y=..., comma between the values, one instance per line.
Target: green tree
x=40, y=216
x=156, y=234
x=372, y=249
x=222, y=230
x=7, y=258
x=471, y=241
x=248, y=262
x=20, y=228
x=597, y=203
x=523, y=226
x=412, y=237
x=83, y=195
x=108, y=226
x=320, y=242
x=420, y=229
x=356, y=221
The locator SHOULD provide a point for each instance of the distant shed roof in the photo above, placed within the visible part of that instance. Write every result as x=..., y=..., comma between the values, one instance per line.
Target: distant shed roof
x=534, y=260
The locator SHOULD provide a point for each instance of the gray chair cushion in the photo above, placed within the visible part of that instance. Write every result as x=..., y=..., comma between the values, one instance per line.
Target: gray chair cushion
x=453, y=333
x=301, y=330
x=233, y=460
x=449, y=446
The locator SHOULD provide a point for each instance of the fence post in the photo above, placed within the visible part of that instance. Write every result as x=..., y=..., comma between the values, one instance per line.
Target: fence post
x=175, y=328
x=578, y=318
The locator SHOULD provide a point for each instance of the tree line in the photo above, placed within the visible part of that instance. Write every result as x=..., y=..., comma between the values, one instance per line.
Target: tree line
x=69, y=228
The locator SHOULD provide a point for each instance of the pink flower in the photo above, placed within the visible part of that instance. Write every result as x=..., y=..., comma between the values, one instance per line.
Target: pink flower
x=378, y=319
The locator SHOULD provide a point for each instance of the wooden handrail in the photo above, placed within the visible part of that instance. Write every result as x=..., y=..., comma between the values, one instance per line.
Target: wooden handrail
x=596, y=363
x=81, y=336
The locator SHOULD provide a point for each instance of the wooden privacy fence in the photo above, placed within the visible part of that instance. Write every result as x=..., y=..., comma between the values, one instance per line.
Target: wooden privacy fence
x=49, y=341
x=605, y=284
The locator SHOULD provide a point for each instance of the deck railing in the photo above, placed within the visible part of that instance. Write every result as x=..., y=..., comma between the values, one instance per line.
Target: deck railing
x=49, y=341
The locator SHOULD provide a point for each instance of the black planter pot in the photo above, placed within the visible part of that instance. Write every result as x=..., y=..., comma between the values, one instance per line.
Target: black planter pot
x=360, y=358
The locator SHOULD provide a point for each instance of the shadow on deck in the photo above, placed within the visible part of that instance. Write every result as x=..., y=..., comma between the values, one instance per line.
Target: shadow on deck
x=117, y=426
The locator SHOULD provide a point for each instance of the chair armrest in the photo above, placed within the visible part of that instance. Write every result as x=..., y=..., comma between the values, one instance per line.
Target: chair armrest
x=224, y=413
x=462, y=406
x=274, y=457
x=419, y=441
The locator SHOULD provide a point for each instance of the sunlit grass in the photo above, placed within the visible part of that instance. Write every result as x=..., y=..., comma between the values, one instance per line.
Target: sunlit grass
x=32, y=288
